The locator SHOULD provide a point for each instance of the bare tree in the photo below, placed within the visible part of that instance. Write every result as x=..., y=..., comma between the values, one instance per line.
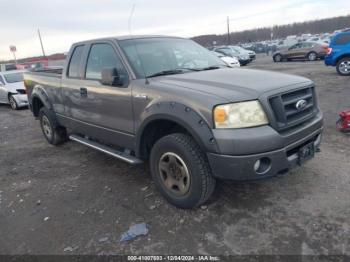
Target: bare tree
x=281, y=31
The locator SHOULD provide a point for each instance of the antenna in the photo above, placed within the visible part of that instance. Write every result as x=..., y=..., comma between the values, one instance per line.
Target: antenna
x=130, y=17
x=135, y=46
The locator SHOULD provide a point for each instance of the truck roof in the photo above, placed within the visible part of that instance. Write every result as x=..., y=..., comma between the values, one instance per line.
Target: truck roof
x=127, y=37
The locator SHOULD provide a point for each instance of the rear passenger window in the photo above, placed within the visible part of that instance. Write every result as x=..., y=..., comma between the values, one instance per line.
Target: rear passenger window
x=308, y=45
x=102, y=56
x=343, y=39
x=73, y=69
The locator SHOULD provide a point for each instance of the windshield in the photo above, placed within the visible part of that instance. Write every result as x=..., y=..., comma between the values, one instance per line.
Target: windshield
x=14, y=77
x=228, y=51
x=150, y=56
x=240, y=49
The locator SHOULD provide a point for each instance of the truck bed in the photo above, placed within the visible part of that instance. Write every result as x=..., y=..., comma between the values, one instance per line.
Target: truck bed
x=48, y=78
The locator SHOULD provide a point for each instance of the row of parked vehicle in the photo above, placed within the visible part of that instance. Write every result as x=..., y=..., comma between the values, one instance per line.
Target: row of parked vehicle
x=336, y=54
x=283, y=43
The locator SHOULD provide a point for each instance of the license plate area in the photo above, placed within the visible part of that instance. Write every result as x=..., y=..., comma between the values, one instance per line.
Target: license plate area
x=306, y=153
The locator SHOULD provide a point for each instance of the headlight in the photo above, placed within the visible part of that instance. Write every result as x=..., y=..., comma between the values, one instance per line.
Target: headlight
x=240, y=115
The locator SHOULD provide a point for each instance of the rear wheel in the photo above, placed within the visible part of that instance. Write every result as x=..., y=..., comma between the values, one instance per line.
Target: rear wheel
x=277, y=58
x=181, y=171
x=312, y=56
x=13, y=102
x=343, y=66
x=53, y=133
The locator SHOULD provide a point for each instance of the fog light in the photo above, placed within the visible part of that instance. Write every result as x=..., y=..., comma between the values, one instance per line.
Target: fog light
x=262, y=165
x=257, y=165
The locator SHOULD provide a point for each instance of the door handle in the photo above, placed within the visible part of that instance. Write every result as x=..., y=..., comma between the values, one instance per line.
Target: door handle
x=142, y=96
x=83, y=92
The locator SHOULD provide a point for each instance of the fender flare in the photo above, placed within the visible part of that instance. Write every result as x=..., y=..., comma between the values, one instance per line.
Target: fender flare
x=181, y=114
x=336, y=61
x=40, y=93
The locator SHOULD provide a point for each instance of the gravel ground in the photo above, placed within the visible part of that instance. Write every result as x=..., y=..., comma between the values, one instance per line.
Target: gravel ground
x=73, y=200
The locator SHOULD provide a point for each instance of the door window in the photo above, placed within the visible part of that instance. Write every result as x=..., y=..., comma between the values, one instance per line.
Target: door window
x=74, y=64
x=102, y=56
x=308, y=45
x=296, y=46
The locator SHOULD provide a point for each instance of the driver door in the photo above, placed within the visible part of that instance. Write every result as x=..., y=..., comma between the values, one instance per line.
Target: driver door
x=293, y=51
x=103, y=111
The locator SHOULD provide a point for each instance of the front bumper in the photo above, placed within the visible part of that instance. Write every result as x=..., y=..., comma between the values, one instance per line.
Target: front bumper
x=244, y=62
x=241, y=168
x=21, y=99
x=252, y=57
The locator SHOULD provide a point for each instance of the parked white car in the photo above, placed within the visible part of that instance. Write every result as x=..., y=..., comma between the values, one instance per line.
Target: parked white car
x=12, y=90
x=230, y=61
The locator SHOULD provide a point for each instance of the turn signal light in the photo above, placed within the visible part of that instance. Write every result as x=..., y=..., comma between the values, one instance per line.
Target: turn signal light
x=220, y=115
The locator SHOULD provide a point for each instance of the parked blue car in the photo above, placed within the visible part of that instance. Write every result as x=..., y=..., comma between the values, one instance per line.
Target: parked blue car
x=339, y=52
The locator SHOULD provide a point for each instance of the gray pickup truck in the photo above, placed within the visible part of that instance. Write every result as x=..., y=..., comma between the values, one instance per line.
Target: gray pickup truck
x=169, y=101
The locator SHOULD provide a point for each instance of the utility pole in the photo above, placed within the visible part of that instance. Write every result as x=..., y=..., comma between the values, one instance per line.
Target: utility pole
x=41, y=42
x=228, y=30
x=14, y=56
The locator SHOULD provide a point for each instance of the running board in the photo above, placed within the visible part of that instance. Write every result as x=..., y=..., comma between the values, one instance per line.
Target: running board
x=106, y=149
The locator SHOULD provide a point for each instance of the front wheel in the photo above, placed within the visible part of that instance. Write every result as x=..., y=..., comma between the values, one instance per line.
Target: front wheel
x=343, y=66
x=181, y=171
x=13, y=102
x=277, y=58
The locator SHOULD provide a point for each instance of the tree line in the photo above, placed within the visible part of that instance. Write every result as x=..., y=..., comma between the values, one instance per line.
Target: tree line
x=328, y=25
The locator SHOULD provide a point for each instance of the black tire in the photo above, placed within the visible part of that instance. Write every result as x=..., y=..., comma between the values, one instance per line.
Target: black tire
x=201, y=182
x=312, y=56
x=52, y=131
x=13, y=102
x=278, y=58
x=340, y=66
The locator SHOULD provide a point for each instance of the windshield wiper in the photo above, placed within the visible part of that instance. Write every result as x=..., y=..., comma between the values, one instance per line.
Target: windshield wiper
x=173, y=71
x=211, y=67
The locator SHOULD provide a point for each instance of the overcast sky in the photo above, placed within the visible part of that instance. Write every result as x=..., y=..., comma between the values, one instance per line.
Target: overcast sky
x=63, y=22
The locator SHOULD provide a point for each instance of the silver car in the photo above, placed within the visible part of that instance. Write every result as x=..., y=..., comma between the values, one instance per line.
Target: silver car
x=12, y=90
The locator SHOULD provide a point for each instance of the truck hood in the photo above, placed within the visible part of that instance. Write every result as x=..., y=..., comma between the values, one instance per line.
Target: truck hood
x=12, y=87
x=234, y=84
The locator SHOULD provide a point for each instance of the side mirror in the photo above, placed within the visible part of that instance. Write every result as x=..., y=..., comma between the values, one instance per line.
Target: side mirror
x=111, y=77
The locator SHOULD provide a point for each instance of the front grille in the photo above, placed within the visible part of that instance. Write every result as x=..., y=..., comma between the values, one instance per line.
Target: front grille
x=284, y=107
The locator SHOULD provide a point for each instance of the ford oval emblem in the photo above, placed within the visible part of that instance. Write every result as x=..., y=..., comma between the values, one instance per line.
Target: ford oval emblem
x=301, y=104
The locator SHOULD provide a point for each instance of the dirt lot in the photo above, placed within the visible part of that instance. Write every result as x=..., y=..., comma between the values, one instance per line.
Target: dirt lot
x=73, y=200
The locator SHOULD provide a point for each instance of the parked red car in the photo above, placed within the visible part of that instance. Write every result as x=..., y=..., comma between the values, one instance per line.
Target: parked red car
x=344, y=121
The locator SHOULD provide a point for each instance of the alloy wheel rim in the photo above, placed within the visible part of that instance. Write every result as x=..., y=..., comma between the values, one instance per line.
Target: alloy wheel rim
x=312, y=57
x=174, y=174
x=13, y=103
x=47, y=127
x=345, y=67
